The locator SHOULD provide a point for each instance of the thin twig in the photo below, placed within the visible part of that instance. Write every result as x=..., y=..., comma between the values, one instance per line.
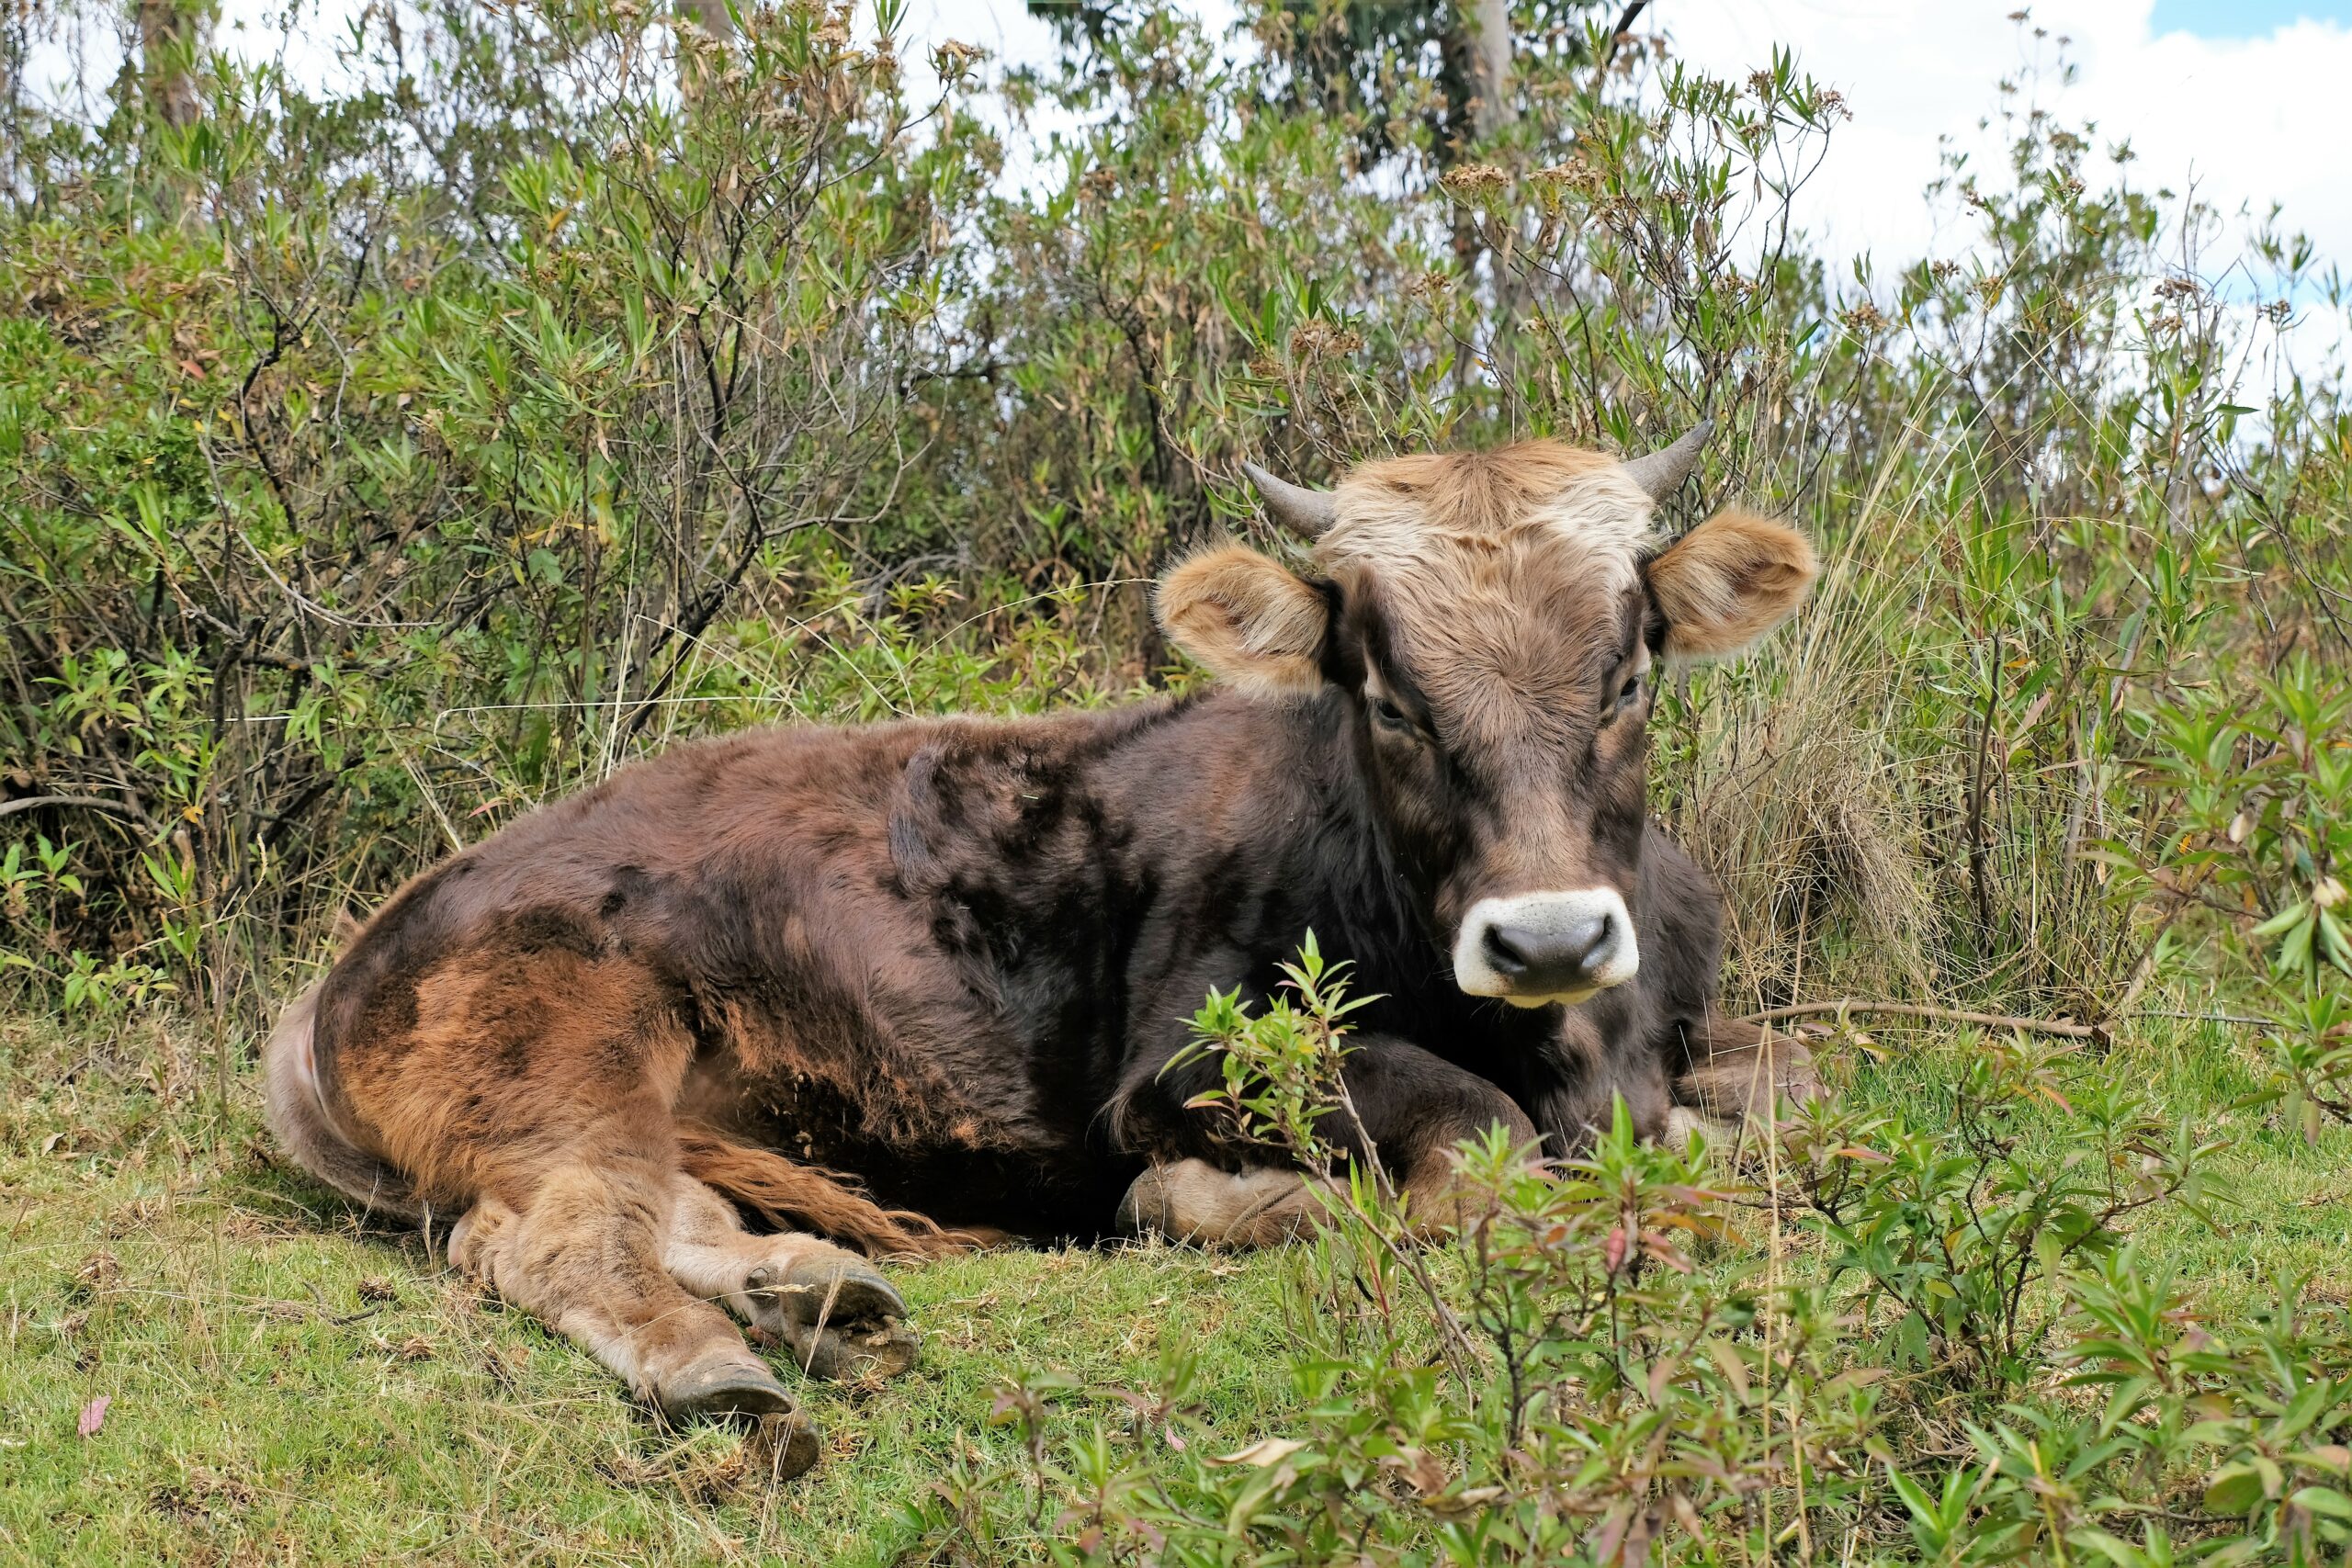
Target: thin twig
x=10, y=807
x=1625, y=20
x=1916, y=1009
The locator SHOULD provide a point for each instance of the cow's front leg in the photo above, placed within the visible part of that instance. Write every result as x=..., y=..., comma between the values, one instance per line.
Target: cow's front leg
x=1735, y=1072
x=1192, y=1200
x=1410, y=1106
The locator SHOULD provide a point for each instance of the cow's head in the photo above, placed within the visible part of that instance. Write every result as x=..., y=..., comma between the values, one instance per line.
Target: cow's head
x=1494, y=620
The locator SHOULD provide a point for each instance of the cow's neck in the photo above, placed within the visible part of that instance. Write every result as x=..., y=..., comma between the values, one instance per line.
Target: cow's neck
x=1311, y=856
x=1363, y=902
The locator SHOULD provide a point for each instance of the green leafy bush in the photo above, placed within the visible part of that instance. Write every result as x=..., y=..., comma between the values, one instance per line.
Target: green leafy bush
x=381, y=463
x=376, y=464
x=1946, y=1352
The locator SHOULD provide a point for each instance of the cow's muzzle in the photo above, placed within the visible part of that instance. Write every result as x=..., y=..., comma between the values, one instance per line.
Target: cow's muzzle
x=1535, y=948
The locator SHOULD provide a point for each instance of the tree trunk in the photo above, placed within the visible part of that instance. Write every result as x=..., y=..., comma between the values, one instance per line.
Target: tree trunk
x=1490, y=66
x=169, y=31
x=698, y=57
x=710, y=16
x=1477, y=51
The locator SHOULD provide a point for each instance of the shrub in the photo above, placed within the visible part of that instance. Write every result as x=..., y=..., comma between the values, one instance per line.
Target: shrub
x=1602, y=1365
x=375, y=465
x=579, y=381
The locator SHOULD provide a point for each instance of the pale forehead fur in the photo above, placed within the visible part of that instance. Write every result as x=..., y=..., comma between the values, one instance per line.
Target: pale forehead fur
x=1503, y=572
x=1463, y=512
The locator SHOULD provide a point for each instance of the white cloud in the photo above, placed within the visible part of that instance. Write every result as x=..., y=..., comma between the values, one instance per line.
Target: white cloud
x=2244, y=122
x=2247, y=121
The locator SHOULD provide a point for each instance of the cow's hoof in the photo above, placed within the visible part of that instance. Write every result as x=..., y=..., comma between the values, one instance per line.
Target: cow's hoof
x=1681, y=1120
x=841, y=1318
x=1147, y=1209
x=721, y=1386
x=791, y=1443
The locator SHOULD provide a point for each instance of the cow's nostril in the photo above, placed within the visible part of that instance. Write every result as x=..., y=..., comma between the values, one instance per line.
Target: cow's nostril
x=1537, y=959
x=1510, y=950
x=1536, y=947
x=1583, y=944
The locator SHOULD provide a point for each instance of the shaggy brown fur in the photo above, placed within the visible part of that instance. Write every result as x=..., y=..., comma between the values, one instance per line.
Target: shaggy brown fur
x=1726, y=583
x=955, y=957
x=1246, y=621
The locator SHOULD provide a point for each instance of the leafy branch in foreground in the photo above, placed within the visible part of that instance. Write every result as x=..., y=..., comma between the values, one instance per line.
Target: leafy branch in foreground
x=1606, y=1362
x=2261, y=781
x=1280, y=1066
x=1951, y=1223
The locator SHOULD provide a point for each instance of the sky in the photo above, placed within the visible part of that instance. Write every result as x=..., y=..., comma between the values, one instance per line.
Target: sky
x=2237, y=18
x=2207, y=98
x=2241, y=100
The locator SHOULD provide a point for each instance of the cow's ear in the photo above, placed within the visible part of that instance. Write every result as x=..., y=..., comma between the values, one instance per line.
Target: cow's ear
x=1728, y=582
x=1248, y=619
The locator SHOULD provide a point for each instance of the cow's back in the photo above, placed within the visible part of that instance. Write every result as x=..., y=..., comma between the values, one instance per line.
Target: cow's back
x=905, y=950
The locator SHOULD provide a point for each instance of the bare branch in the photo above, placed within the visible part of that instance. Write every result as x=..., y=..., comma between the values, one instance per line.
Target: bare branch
x=2065, y=1026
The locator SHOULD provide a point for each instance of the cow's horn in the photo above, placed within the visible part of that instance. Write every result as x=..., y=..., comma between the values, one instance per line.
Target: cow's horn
x=1661, y=473
x=1307, y=511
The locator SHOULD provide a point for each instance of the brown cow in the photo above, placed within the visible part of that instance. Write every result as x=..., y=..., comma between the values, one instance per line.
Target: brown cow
x=623, y=1043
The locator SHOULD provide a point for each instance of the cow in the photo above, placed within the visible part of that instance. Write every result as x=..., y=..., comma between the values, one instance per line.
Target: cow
x=626, y=1044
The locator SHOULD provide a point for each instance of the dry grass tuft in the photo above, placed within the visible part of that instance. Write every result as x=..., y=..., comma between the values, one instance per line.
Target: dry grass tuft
x=1803, y=810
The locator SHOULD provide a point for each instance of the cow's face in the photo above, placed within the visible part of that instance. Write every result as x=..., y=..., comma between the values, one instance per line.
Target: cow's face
x=1495, y=620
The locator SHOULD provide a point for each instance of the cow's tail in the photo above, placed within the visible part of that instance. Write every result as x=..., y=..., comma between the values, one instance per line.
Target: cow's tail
x=805, y=1196
x=297, y=1114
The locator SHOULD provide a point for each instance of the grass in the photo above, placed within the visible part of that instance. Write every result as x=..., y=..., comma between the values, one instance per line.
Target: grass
x=2278, y=1203
x=288, y=1385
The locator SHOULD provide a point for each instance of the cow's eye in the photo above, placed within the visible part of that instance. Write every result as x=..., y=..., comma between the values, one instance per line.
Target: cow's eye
x=1388, y=716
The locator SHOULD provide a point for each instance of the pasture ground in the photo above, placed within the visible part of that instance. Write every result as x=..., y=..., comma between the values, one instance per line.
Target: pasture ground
x=287, y=1386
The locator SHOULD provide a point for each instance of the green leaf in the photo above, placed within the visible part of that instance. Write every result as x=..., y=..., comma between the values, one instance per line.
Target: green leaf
x=2235, y=1489
x=2324, y=1500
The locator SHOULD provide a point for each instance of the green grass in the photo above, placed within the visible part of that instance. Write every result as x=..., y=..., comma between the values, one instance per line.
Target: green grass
x=288, y=1385
x=2279, y=1203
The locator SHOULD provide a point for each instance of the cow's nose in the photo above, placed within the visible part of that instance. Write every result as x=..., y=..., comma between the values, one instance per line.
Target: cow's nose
x=1549, y=961
x=1535, y=948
